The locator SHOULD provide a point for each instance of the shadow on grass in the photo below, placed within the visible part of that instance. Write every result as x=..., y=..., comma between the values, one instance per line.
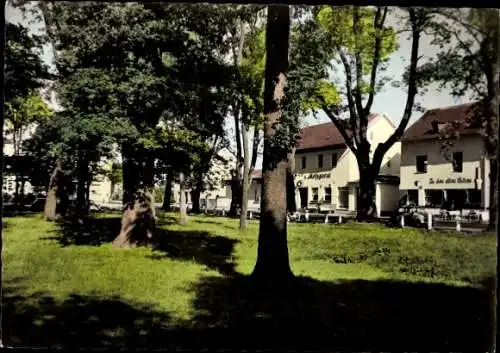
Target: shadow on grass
x=213, y=251
x=89, y=231
x=232, y=313
x=217, y=223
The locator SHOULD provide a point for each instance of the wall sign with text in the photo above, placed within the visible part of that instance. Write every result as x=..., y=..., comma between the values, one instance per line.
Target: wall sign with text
x=318, y=176
x=450, y=181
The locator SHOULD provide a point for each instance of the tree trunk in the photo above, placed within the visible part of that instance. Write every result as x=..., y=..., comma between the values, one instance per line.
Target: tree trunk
x=272, y=255
x=138, y=217
x=63, y=194
x=182, y=200
x=111, y=191
x=195, y=200
x=290, y=183
x=168, y=191
x=88, y=184
x=81, y=191
x=22, y=191
x=366, y=207
x=236, y=187
x=237, y=184
x=49, y=212
x=493, y=210
x=247, y=179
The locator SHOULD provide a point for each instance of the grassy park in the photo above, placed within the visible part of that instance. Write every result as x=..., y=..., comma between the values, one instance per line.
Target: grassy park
x=356, y=286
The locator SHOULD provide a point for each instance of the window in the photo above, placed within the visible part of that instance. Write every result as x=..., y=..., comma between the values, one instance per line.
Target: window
x=457, y=162
x=304, y=162
x=422, y=164
x=334, y=160
x=315, y=194
x=320, y=161
x=328, y=195
x=434, y=198
x=413, y=197
x=455, y=199
x=343, y=197
x=473, y=199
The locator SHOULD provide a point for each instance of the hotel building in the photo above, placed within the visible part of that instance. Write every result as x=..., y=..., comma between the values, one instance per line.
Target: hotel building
x=327, y=173
x=456, y=179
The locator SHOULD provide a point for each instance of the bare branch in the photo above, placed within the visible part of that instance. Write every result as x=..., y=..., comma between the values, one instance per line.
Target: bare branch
x=336, y=121
x=359, y=63
x=350, y=101
x=255, y=149
x=417, y=21
x=379, y=25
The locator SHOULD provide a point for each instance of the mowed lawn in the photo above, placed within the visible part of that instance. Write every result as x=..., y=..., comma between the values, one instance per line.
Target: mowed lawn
x=358, y=286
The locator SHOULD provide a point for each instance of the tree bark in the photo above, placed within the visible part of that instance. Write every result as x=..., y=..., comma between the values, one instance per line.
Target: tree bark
x=111, y=191
x=62, y=194
x=247, y=179
x=138, y=216
x=237, y=186
x=49, y=212
x=195, y=200
x=182, y=200
x=81, y=192
x=167, y=198
x=290, y=183
x=272, y=255
x=366, y=207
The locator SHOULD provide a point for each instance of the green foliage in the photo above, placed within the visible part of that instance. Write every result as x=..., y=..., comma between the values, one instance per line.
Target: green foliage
x=329, y=39
x=159, y=193
x=23, y=111
x=115, y=174
x=337, y=22
x=24, y=70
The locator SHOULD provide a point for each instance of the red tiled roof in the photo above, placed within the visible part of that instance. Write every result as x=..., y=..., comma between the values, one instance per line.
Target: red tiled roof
x=426, y=127
x=323, y=136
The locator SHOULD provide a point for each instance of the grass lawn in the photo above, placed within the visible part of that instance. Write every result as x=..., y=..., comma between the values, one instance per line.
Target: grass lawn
x=357, y=287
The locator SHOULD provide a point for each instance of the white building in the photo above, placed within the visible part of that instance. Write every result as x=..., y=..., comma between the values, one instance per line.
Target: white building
x=327, y=172
x=436, y=180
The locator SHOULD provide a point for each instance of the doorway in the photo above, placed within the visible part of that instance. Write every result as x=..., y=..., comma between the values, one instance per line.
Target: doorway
x=303, y=197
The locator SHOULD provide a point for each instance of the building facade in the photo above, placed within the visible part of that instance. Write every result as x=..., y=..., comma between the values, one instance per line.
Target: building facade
x=453, y=178
x=327, y=173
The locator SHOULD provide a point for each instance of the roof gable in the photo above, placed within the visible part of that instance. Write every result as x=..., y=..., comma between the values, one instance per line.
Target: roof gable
x=324, y=135
x=435, y=121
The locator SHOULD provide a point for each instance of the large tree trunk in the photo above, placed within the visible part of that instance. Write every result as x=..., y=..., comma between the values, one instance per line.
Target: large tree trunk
x=167, y=198
x=493, y=210
x=272, y=255
x=49, y=211
x=366, y=208
x=138, y=217
x=182, y=200
x=247, y=179
x=290, y=183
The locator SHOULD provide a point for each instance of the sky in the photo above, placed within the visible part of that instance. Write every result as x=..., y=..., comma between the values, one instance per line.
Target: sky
x=390, y=100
